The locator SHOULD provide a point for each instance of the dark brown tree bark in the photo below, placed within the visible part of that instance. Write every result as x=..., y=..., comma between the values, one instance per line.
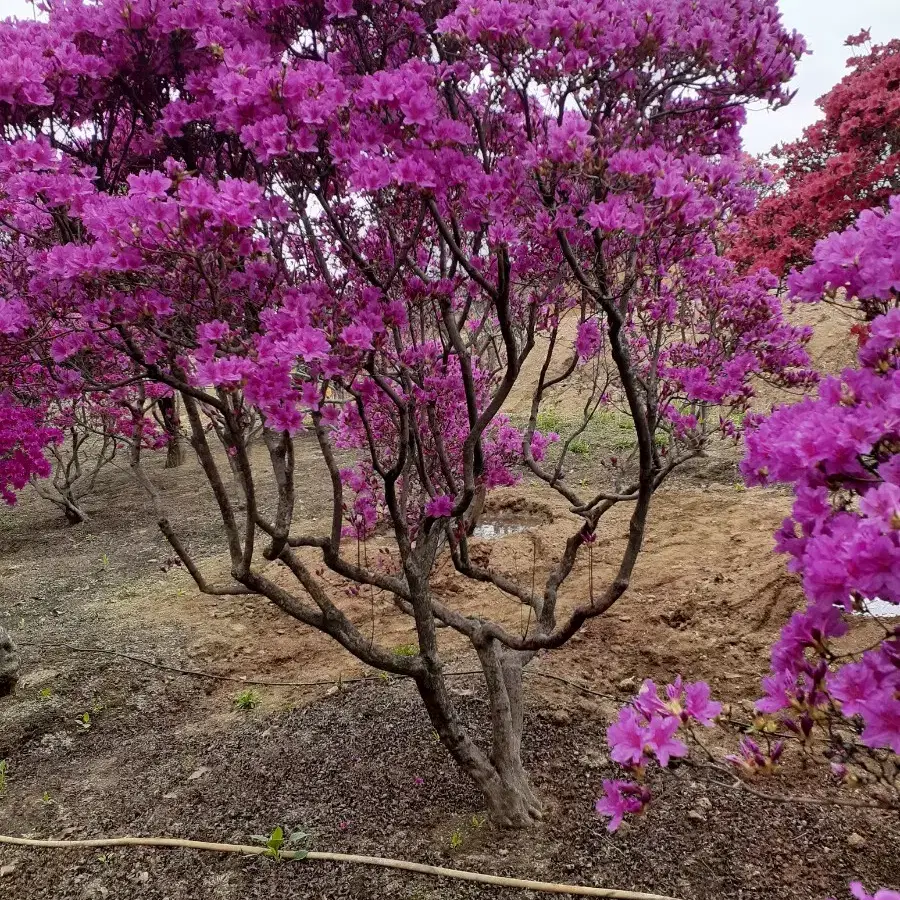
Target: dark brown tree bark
x=74, y=514
x=9, y=664
x=171, y=420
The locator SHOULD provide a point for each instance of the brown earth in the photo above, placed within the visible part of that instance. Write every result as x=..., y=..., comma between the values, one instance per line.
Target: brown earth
x=170, y=754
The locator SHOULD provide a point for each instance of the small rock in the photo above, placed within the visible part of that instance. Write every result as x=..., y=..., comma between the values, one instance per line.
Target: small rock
x=593, y=760
x=696, y=816
x=38, y=678
x=503, y=852
x=627, y=684
x=143, y=877
x=856, y=841
x=198, y=773
x=704, y=803
x=560, y=717
x=7, y=870
x=462, y=692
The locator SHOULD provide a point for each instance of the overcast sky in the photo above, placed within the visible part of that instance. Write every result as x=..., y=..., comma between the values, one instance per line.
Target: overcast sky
x=824, y=23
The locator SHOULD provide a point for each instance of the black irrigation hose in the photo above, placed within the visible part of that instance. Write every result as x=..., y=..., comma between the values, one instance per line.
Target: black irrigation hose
x=262, y=682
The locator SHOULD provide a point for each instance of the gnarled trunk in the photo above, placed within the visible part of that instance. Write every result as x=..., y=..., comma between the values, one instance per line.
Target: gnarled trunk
x=74, y=514
x=175, y=451
x=168, y=408
x=500, y=776
x=511, y=802
x=9, y=664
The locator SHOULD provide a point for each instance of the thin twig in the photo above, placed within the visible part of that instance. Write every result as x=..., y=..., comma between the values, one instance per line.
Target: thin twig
x=791, y=798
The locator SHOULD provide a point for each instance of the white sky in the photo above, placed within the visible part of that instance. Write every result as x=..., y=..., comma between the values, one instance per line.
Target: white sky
x=824, y=23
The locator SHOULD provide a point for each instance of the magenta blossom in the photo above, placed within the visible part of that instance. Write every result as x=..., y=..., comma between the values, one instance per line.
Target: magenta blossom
x=621, y=798
x=439, y=507
x=659, y=738
x=860, y=893
x=626, y=737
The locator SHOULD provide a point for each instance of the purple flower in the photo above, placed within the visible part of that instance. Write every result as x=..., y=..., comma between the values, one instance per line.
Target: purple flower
x=648, y=702
x=750, y=757
x=883, y=505
x=311, y=344
x=589, y=339
x=439, y=507
x=626, y=738
x=882, y=717
x=659, y=737
x=359, y=336
x=697, y=704
x=852, y=685
x=341, y=9
x=417, y=107
x=860, y=893
x=150, y=184
x=619, y=798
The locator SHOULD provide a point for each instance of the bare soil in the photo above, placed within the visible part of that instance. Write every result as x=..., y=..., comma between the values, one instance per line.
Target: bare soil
x=354, y=762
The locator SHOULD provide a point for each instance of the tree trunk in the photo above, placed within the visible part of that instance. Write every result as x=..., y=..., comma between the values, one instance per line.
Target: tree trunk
x=514, y=803
x=9, y=664
x=74, y=514
x=511, y=802
x=501, y=777
x=168, y=410
x=175, y=451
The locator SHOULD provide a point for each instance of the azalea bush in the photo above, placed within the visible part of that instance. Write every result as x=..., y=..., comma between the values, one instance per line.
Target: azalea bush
x=840, y=452
x=95, y=427
x=846, y=162
x=353, y=223
x=24, y=437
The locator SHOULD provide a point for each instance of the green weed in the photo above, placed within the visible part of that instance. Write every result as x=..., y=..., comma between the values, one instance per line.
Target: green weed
x=551, y=419
x=247, y=700
x=275, y=842
x=580, y=447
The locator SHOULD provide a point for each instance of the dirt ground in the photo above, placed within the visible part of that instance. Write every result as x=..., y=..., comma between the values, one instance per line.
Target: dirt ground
x=102, y=745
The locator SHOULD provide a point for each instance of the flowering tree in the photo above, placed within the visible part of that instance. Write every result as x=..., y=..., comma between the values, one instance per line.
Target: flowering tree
x=356, y=222
x=846, y=162
x=96, y=426
x=841, y=453
x=24, y=439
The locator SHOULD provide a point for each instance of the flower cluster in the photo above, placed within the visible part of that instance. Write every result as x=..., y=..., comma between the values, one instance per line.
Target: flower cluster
x=841, y=453
x=23, y=438
x=648, y=729
x=754, y=760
